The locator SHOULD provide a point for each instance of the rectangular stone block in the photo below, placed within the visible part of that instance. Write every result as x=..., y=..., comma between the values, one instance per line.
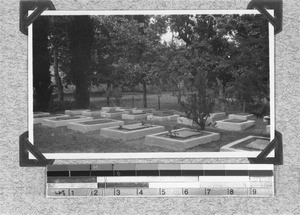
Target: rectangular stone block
x=109, y=108
x=162, y=140
x=94, y=125
x=235, y=124
x=40, y=114
x=163, y=112
x=128, y=133
x=64, y=120
x=113, y=114
x=134, y=116
x=74, y=112
x=231, y=147
x=94, y=113
x=152, y=117
x=143, y=110
x=127, y=109
x=242, y=116
x=39, y=119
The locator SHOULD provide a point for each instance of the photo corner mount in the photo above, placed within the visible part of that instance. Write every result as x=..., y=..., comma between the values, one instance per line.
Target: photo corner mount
x=37, y=6
x=276, y=145
x=263, y=5
x=25, y=147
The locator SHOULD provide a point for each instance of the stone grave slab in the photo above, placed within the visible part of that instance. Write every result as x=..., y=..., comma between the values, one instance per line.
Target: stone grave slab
x=40, y=118
x=249, y=143
x=64, y=120
x=131, y=132
x=90, y=113
x=94, y=125
x=113, y=114
x=184, y=138
x=129, y=110
x=134, y=116
x=143, y=110
x=165, y=117
x=258, y=144
x=40, y=114
x=235, y=124
x=242, y=116
x=163, y=112
x=109, y=109
x=74, y=112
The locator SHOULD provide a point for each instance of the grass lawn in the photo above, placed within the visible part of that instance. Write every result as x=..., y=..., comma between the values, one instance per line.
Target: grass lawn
x=63, y=140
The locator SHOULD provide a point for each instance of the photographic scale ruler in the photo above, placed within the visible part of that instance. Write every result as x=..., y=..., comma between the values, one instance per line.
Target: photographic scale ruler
x=146, y=180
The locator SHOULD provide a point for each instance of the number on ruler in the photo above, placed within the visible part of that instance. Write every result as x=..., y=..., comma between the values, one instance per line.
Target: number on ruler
x=253, y=191
x=230, y=191
x=140, y=192
x=72, y=193
x=60, y=192
x=186, y=191
x=163, y=192
x=118, y=192
x=207, y=191
x=94, y=193
x=118, y=173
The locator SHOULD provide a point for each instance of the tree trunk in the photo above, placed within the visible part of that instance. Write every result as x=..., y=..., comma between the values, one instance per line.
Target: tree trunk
x=81, y=42
x=144, y=94
x=179, y=95
x=107, y=95
x=41, y=63
x=59, y=85
x=158, y=99
x=221, y=94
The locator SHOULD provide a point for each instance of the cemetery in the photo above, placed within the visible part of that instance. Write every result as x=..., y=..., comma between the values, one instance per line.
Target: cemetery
x=167, y=93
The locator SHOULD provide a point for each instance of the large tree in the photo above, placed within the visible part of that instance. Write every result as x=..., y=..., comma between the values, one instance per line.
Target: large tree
x=42, y=88
x=235, y=48
x=59, y=49
x=126, y=51
x=81, y=35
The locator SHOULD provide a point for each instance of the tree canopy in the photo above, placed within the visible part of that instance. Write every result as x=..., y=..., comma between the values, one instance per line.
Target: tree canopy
x=224, y=54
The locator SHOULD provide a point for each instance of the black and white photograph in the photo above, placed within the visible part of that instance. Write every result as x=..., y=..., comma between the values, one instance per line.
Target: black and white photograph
x=135, y=84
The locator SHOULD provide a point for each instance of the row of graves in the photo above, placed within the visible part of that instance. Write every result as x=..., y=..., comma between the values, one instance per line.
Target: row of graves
x=110, y=122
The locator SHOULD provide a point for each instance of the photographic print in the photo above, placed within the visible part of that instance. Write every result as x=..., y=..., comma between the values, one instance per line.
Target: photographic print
x=148, y=84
